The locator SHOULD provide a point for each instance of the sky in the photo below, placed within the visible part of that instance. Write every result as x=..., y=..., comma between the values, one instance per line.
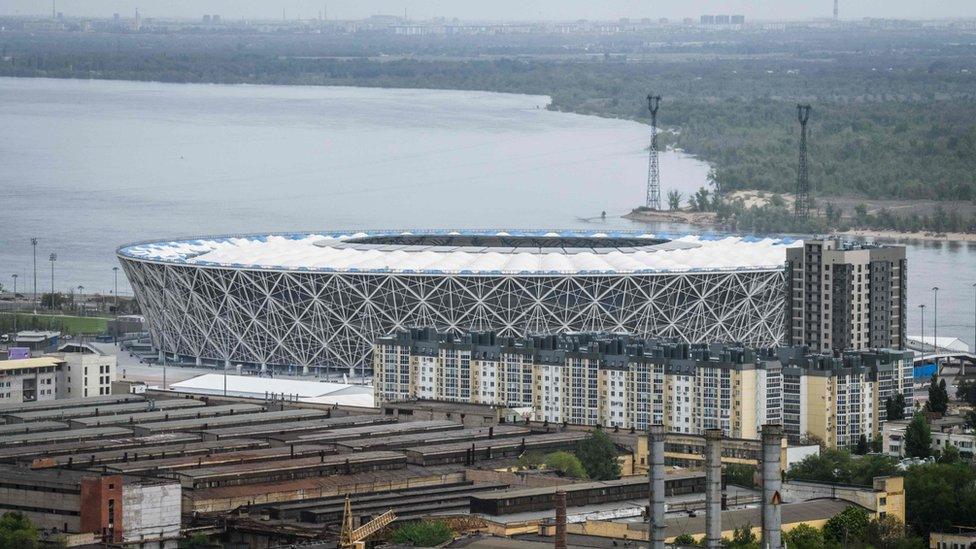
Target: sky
x=499, y=9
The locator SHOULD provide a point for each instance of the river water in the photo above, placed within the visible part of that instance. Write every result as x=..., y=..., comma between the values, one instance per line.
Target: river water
x=88, y=165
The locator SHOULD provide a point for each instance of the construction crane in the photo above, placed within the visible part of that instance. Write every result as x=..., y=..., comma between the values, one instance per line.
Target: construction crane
x=355, y=539
x=653, y=169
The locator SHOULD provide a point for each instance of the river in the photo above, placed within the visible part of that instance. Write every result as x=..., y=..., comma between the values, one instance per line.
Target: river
x=88, y=165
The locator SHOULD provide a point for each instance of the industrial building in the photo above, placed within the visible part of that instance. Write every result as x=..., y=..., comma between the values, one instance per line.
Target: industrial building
x=846, y=296
x=318, y=300
x=620, y=381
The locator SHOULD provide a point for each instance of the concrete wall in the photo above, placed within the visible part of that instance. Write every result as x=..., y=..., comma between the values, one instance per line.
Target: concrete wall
x=151, y=512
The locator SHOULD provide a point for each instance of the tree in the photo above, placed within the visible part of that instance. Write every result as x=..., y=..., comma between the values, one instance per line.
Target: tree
x=58, y=298
x=966, y=391
x=949, y=455
x=918, y=438
x=833, y=465
x=740, y=474
x=684, y=539
x=940, y=497
x=877, y=443
x=566, y=464
x=938, y=395
x=847, y=527
x=598, y=456
x=674, y=200
x=862, y=445
x=742, y=538
x=804, y=536
x=971, y=419
x=885, y=532
x=895, y=407
x=17, y=532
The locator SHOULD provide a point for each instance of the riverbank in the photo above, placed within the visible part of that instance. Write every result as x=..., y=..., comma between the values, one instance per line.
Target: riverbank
x=896, y=235
x=698, y=219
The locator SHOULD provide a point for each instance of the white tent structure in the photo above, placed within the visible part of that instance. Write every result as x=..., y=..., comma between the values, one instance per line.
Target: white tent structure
x=317, y=392
x=942, y=344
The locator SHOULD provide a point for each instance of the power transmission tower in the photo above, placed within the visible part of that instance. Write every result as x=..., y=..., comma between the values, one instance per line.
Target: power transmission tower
x=653, y=169
x=801, y=206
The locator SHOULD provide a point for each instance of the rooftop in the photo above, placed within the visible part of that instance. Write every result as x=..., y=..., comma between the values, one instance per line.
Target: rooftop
x=260, y=387
x=29, y=363
x=471, y=252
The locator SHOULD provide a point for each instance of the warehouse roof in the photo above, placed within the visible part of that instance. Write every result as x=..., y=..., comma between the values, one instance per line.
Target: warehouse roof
x=260, y=387
x=498, y=252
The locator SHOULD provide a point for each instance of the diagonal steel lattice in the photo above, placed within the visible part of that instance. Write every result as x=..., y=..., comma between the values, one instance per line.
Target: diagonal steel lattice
x=329, y=320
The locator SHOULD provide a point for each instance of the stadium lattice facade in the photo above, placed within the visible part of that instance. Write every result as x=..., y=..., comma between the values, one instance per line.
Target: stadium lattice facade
x=319, y=300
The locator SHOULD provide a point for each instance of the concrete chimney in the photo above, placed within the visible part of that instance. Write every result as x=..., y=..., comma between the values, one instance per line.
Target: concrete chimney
x=655, y=463
x=772, y=482
x=713, y=488
x=560, y=519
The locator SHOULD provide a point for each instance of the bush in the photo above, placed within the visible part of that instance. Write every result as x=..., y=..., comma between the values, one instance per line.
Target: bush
x=17, y=532
x=740, y=475
x=804, y=536
x=567, y=464
x=423, y=533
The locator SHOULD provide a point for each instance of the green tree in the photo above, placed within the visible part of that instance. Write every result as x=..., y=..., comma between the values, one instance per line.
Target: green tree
x=971, y=419
x=847, y=527
x=966, y=391
x=742, y=538
x=423, y=533
x=949, y=454
x=567, y=464
x=674, y=200
x=895, y=407
x=918, y=438
x=17, y=532
x=684, y=539
x=940, y=497
x=884, y=532
x=862, y=445
x=740, y=474
x=598, y=456
x=938, y=395
x=804, y=536
x=835, y=465
x=531, y=459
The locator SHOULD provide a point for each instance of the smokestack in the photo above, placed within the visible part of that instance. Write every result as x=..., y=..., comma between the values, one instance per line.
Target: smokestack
x=772, y=437
x=560, y=519
x=655, y=462
x=713, y=488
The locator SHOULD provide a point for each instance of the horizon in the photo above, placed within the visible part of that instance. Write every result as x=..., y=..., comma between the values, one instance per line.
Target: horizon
x=501, y=10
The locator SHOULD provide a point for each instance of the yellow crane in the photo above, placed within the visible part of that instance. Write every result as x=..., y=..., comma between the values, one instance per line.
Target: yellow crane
x=355, y=539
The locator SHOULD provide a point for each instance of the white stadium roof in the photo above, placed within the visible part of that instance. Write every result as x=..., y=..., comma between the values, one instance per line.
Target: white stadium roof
x=346, y=252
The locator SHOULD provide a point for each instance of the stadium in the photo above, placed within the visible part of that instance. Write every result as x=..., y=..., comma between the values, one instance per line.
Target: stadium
x=318, y=300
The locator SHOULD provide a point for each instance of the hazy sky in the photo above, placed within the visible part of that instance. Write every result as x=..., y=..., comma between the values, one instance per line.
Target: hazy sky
x=501, y=9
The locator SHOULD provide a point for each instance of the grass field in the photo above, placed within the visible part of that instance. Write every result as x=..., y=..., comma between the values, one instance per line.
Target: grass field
x=59, y=323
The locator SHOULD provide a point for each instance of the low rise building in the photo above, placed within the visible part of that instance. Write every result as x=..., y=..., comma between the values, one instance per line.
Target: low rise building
x=31, y=379
x=618, y=381
x=88, y=371
x=946, y=432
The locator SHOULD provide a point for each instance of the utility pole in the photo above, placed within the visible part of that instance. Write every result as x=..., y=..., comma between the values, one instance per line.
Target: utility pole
x=52, y=258
x=81, y=299
x=801, y=204
x=34, y=300
x=14, y=276
x=653, y=168
x=115, y=272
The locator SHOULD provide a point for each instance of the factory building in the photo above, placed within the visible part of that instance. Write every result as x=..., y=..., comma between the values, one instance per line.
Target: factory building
x=618, y=381
x=846, y=296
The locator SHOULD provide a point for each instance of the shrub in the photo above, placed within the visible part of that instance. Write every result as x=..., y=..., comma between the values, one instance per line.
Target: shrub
x=423, y=533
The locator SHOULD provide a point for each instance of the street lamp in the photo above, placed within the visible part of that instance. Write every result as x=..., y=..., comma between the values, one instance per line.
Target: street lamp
x=14, y=276
x=922, y=307
x=34, y=299
x=935, y=321
x=81, y=299
x=52, y=258
x=115, y=272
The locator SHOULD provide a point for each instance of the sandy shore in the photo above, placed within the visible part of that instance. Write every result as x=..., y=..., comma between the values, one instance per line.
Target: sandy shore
x=895, y=235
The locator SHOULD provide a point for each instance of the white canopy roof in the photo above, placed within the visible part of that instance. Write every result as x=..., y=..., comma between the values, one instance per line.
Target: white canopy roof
x=259, y=387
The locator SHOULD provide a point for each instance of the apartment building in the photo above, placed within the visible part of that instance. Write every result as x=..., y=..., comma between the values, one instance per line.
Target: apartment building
x=619, y=381
x=31, y=379
x=838, y=398
x=610, y=380
x=846, y=296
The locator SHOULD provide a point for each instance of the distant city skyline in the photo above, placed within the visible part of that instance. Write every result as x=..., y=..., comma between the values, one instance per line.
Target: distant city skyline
x=498, y=9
